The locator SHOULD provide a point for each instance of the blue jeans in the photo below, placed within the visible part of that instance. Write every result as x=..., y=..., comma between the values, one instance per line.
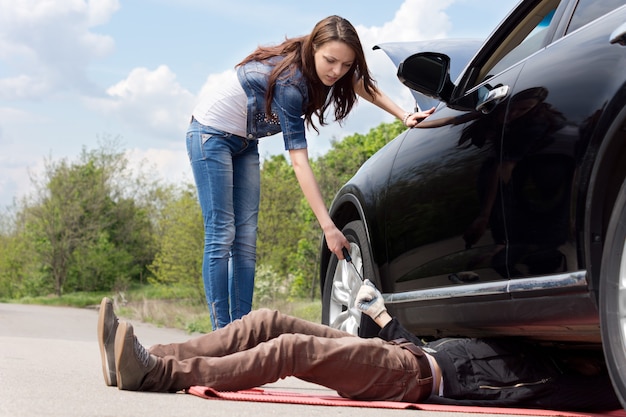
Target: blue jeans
x=227, y=174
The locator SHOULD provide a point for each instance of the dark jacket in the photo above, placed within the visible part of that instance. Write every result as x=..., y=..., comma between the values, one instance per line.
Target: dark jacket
x=509, y=373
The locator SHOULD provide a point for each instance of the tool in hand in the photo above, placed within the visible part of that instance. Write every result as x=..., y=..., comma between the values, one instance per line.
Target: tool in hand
x=346, y=255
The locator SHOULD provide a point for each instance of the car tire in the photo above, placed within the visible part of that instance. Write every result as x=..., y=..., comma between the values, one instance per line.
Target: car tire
x=613, y=296
x=342, y=285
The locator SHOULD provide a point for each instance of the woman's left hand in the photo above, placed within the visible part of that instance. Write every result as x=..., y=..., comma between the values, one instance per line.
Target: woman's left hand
x=417, y=117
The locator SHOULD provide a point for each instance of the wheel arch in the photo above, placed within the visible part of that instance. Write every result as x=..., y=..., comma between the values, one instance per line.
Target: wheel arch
x=607, y=176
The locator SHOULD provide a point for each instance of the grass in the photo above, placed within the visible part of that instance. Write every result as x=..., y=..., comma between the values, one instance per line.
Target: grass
x=78, y=299
x=171, y=309
x=193, y=317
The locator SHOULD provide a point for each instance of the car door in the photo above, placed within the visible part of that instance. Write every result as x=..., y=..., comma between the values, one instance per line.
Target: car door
x=444, y=221
x=555, y=106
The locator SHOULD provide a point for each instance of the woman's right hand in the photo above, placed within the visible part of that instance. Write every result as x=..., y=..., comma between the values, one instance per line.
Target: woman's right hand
x=336, y=241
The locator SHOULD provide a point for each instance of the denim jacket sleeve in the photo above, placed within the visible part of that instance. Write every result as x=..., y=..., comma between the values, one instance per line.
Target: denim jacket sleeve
x=290, y=96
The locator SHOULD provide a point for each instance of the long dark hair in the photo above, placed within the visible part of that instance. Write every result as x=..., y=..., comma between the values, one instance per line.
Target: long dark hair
x=298, y=53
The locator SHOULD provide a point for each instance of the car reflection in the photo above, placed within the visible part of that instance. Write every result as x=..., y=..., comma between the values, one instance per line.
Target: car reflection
x=523, y=191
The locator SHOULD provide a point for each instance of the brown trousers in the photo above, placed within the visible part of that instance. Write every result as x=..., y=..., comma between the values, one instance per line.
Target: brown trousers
x=266, y=345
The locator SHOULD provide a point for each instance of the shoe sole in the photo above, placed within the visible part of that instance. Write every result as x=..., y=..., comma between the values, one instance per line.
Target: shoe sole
x=120, y=343
x=105, y=304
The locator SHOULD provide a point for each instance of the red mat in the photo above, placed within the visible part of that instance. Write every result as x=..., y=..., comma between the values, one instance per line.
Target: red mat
x=274, y=396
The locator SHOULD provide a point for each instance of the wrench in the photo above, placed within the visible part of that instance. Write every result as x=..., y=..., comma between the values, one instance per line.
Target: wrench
x=346, y=255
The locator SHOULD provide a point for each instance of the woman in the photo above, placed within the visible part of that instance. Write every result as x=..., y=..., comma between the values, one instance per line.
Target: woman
x=277, y=89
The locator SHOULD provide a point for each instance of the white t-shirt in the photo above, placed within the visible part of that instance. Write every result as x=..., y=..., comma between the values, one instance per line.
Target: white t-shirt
x=224, y=108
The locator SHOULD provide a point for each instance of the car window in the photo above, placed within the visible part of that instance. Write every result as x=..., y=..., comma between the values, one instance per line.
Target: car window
x=589, y=10
x=526, y=38
x=532, y=43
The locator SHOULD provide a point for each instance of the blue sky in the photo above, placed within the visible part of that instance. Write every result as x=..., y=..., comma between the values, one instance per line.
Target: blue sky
x=75, y=71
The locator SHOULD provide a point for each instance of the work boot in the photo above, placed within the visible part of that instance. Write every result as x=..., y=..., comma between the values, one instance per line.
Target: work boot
x=133, y=361
x=107, y=326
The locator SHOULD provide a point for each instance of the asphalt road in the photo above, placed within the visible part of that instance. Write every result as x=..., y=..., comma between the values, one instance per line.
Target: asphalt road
x=50, y=366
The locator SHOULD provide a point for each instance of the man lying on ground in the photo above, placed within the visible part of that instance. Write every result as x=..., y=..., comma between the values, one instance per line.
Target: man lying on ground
x=265, y=346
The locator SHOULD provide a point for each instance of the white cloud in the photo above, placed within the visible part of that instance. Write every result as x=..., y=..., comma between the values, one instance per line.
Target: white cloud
x=150, y=102
x=49, y=43
x=414, y=20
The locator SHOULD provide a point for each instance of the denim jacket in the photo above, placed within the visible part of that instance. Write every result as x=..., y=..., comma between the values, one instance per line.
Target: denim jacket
x=290, y=98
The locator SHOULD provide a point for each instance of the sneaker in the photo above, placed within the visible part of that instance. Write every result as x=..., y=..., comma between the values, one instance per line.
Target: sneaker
x=107, y=326
x=133, y=361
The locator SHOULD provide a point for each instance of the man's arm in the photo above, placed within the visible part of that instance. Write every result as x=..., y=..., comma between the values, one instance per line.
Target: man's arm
x=383, y=319
x=370, y=302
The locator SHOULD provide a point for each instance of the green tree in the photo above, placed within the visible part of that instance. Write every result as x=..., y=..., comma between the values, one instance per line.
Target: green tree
x=63, y=220
x=280, y=224
x=87, y=230
x=15, y=278
x=178, y=262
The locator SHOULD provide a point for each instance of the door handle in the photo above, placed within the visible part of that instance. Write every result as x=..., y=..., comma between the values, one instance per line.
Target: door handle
x=619, y=35
x=492, y=99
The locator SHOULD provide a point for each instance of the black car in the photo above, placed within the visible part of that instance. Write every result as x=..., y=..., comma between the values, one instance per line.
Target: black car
x=504, y=214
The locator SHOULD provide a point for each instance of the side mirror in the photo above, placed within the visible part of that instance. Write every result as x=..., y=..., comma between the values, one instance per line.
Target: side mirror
x=427, y=73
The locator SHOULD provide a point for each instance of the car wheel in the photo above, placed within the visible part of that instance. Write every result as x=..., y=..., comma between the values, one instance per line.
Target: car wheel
x=342, y=285
x=613, y=296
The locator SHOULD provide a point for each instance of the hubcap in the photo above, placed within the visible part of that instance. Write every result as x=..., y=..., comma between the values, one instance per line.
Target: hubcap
x=343, y=313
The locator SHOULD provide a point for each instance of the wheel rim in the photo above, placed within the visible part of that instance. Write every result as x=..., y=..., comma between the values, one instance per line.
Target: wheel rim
x=343, y=313
x=621, y=296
